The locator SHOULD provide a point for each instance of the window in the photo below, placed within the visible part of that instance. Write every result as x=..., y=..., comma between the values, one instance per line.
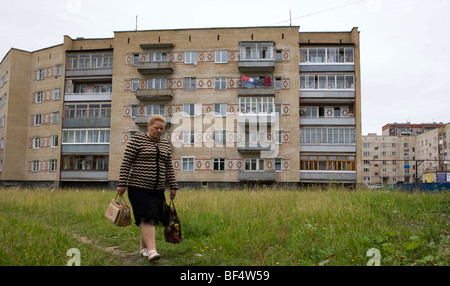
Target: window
x=221, y=83
x=366, y=145
x=56, y=94
x=54, y=141
x=40, y=74
x=278, y=84
x=90, y=136
x=220, y=109
x=219, y=164
x=3, y=121
x=329, y=163
x=156, y=109
x=326, y=55
x=58, y=70
x=36, y=142
x=53, y=165
x=55, y=117
x=328, y=136
x=220, y=137
x=190, y=57
x=256, y=104
x=156, y=83
x=39, y=97
x=190, y=84
x=188, y=137
x=134, y=84
x=35, y=166
x=2, y=143
x=187, y=164
x=332, y=82
x=257, y=51
x=221, y=57
x=188, y=110
x=278, y=164
x=254, y=164
x=157, y=57
x=37, y=119
x=84, y=162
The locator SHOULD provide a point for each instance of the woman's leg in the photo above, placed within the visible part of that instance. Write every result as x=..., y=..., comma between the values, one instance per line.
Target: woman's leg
x=148, y=236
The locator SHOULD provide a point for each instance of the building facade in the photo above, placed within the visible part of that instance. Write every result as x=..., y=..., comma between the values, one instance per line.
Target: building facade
x=419, y=157
x=243, y=105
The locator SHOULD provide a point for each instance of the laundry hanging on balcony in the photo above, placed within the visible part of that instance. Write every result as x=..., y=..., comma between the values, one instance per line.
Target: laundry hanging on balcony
x=256, y=82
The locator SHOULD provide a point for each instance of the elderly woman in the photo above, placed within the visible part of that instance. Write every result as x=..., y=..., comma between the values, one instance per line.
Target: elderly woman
x=145, y=169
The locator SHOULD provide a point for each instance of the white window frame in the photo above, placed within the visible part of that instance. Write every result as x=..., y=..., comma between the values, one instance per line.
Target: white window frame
x=83, y=136
x=36, y=142
x=190, y=83
x=35, y=166
x=157, y=57
x=188, y=164
x=188, y=137
x=258, y=163
x=40, y=74
x=278, y=165
x=221, y=57
x=156, y=83
x=189, y=110
x=220, y=83
x=54, y=141
x=134, y=85
x=220, y=109
x=220, y=137
x=57, y=94
x=218, y=162
x=37, y=119
x=190, y=57
x=53, y=165
x=39, y=96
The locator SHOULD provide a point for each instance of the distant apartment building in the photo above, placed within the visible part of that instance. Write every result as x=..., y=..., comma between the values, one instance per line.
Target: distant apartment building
x=414, y=156
x=243, y=105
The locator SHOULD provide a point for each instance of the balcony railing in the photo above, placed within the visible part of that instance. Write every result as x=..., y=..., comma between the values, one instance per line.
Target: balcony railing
x=104, y=96
x=246, y=176
x=252, y=147
x=146, y=68
x=328, y=176
x=327, y=121
x=154, y=94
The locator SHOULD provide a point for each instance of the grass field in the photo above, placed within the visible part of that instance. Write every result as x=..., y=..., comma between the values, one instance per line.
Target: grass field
x=330, y=226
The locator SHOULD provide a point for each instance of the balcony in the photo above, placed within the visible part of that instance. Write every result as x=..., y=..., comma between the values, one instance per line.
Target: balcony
x=341, y=121
x=267, y=91
x=143, y=120
x=84, y=175
x=154, y=94
x=311, y=67
x=86, y=122
x=256, y=65
x=328, y=148
x=328, y=176
x=255, y=147
x=245, y=176
x=257, y=118
x=152, y=68
x=85, y=148
x=89, y=72
x=323, y=96
x=104, y=96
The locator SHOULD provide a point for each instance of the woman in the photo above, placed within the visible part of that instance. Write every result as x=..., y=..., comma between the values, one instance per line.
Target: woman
x=146, y=167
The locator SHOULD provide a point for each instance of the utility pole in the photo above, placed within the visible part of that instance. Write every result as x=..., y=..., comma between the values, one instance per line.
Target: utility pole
x=136, y=22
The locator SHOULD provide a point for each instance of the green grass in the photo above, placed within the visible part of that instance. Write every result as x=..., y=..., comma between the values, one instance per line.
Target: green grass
x=233, y=227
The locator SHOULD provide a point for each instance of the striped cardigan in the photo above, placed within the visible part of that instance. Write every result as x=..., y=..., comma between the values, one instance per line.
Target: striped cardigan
x=147, y=164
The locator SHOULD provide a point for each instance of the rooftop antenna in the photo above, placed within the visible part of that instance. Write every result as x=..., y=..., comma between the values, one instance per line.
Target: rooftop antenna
x=136, y=21
x=290, y=18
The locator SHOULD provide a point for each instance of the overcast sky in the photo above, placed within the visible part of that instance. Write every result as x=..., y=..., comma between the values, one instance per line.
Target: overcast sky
x=405, y=44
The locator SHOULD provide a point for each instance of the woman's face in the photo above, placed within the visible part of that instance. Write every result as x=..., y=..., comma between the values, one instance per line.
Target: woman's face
x=156, y=130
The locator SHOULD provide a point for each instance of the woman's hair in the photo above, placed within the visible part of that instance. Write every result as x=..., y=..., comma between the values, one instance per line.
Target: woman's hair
x=156, y=117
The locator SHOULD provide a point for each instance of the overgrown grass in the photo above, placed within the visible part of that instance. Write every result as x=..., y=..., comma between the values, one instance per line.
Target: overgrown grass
x=331, y=226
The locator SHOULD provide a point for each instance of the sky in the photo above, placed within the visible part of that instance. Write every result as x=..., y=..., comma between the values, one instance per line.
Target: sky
x=404, y=44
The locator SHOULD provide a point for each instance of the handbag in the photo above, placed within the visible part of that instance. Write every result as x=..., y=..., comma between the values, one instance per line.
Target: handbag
x=172, y=232
x=118, y=212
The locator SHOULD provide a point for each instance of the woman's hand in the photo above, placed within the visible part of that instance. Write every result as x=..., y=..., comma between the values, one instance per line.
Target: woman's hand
x=173, y=193
x=121, y=190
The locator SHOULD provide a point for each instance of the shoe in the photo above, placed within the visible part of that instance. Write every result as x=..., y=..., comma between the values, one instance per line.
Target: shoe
x=153, y=255
x=144, y=252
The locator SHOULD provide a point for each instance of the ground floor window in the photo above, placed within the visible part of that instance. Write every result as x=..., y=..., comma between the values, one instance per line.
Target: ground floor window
x=327, y=163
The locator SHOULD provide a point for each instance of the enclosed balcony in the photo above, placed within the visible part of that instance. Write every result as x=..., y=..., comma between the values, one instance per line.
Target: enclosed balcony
x=267, y=176
x=89, y=64
x=257, y=57
x=152, y=68
x=255, y=147
x=328, y=177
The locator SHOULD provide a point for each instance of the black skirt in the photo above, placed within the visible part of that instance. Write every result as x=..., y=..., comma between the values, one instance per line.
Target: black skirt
x=147, y=204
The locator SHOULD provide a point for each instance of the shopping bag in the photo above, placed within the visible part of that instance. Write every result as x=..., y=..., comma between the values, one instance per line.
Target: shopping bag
x=118, y=212
x=172, y=232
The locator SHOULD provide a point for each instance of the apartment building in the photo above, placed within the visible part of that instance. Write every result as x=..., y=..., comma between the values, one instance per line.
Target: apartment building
x=407, y=158
x=243, y=105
